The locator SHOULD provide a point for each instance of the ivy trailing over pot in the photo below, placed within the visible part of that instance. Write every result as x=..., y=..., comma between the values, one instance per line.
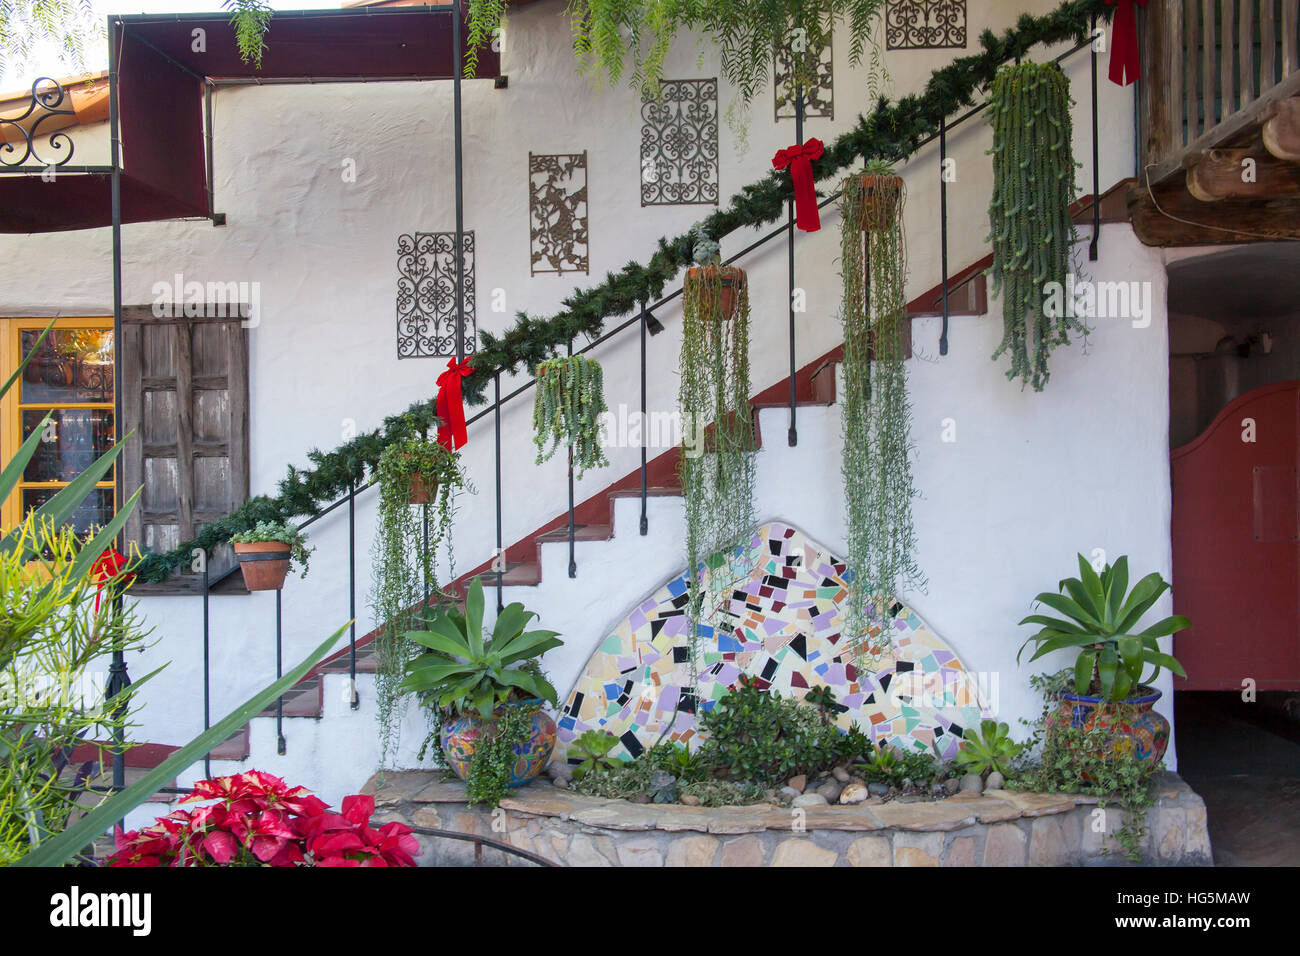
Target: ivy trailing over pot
x=876, y=464
x=891, y=131
x=718, y=454
x=567, y=408
x=414, y=475
x=1031, y=229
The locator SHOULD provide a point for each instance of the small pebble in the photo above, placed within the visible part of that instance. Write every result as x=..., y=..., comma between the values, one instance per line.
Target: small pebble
x=853, y=793
x=841, y=774
x=972, y=783
x=689, y=799
x=995, y=781
x=878, y=789
x=951, y=785
x=830, y=790
x=798, y=783
x=789, y=792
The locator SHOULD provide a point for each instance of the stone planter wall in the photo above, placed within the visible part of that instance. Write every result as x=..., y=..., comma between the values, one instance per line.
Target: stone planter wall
x=998, y=828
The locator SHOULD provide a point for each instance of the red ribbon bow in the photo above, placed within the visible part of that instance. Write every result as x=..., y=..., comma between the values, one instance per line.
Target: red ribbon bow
x=451, y=405
x=106, y=569
x=799, y=158
x=1125, y=63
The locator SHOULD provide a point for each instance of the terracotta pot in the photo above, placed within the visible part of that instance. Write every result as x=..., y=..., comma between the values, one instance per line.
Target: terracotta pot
x=460, y=735
x=728, y=279
x=1140, y=731
x=880, y=200
x=264, y=564
x=422, y=493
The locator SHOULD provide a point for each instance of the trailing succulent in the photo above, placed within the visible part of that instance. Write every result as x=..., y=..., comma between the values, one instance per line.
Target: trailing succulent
x=892, y=131
x=877, y=445
x=1031, y=229
x=567, y=410
x=404, y=558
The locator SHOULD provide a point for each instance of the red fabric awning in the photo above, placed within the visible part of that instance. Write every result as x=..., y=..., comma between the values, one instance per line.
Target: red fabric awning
x=161, y=66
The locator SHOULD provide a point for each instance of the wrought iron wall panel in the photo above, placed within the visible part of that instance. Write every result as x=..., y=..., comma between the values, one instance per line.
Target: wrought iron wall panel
x=925, y=24
x=557, y=212
x=21, y=135
x=679, y=144
x=818, y=99
x=426, y=295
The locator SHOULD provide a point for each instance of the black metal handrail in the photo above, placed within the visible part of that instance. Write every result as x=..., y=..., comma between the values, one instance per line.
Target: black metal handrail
x=645, y=320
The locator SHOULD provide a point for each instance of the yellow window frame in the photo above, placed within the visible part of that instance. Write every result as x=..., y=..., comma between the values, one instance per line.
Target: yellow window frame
x=11, y=408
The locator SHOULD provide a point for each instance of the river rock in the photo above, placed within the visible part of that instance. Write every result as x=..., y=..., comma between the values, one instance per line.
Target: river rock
x=995, y=781
x=841, y=774
x=878, y=789
x=798, y=783
x=971, y=783
x=853, y=793
x=805, y=800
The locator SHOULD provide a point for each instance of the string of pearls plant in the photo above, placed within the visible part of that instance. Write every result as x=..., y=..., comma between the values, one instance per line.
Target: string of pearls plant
x=718, y=457
x=1029, y=216
x=567, y=410
x=876, y=465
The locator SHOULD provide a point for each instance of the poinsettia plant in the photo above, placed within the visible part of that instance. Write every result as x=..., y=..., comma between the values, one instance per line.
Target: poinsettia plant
x=255, y=819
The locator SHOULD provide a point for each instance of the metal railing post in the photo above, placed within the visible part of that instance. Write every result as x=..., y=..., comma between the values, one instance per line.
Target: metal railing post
x=355, y=698
x=500, y=557
x=573, y=563
x=645, y=431
x=792, y=437
x=1096, y=153
x=280, y=746
x=207, y=670
x=943, y=228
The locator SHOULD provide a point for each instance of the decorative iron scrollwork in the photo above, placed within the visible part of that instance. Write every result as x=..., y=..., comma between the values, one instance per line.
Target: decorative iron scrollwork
x=426, y=294
x=925, y=24
x=819, y=98
x=679, y=144
x=557, y=212
x=21, y=134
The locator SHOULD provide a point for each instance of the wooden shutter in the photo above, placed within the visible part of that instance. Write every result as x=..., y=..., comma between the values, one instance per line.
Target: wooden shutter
x=185, y=403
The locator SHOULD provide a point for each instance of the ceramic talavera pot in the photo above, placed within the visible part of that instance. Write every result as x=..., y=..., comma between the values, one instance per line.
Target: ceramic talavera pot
x=460, y=735
x=1137, y=730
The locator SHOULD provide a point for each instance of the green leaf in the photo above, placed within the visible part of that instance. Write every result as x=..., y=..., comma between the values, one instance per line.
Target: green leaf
x=1106, y=668
x=1118, y=586
x=1072, y=609
x=1056, y=624
x=1132, y=653
x=1165, y=661
x=510, y=622
x=57, y=850
x=530, y=644
x=1060, y=641
x=474, y=617
x=9, y=382
x=1145, y=593
x=535, y=686
x=1096, y=603
x=445, y=643
x=1083, y=668
x=1170, y=625
x=18, y=464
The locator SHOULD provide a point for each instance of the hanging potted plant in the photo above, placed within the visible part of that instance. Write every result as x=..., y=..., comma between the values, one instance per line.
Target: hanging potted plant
x=569, y=403
x=717, y=464
x=266, y=551
x=1031, y=229
x=485, y=694
x=1112, y=685
x=418, y=483
x=876, y=420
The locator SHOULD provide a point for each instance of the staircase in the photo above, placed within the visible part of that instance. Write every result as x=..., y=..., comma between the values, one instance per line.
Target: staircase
x=320, y=724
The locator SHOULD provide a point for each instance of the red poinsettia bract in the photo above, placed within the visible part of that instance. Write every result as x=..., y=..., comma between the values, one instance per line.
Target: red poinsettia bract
x=255, y=819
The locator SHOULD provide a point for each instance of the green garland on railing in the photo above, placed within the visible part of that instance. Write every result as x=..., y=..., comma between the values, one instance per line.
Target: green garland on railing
x=892, y=132
x=567, y=407
x=1031, y=229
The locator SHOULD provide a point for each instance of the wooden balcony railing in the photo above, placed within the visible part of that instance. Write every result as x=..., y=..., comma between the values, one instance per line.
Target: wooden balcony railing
x=1211, y=70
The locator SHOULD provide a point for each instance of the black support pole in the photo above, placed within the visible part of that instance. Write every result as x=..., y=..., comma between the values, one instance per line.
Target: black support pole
x=457, y=69
x=280, y=746
x=118, y=679
x=573, y=563
x=207, y=670
x=1096, y=153
x=792, y=437
x=943, y=228
x=354, y=697
x=499, y=559
x=645, y=430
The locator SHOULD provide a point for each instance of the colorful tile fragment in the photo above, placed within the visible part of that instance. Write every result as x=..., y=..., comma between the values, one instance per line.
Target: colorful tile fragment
x=780, y=625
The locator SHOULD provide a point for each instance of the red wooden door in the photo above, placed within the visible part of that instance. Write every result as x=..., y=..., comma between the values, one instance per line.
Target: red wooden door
x=1236, y=542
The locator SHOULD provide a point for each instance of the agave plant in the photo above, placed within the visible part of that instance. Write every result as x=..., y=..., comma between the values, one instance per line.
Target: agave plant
x=1100, y=618
x=462, y=671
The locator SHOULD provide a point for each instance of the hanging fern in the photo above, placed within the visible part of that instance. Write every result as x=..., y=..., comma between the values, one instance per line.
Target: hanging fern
x=614, y=38
x=718, y=459
x=876, y=468
x=1029, y=216
x=405, y=563
x=567, y=409
x=251, y=20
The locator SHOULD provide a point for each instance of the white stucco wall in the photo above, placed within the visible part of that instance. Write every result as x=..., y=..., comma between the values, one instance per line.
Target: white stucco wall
x=1031, y=479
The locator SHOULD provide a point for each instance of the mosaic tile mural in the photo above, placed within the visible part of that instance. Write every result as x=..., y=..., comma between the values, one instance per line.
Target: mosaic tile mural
x=782, y=627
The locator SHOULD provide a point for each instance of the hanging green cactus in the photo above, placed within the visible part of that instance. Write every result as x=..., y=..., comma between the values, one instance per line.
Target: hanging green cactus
x=876, y=465
x=1029, y=216
x=567, y=410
